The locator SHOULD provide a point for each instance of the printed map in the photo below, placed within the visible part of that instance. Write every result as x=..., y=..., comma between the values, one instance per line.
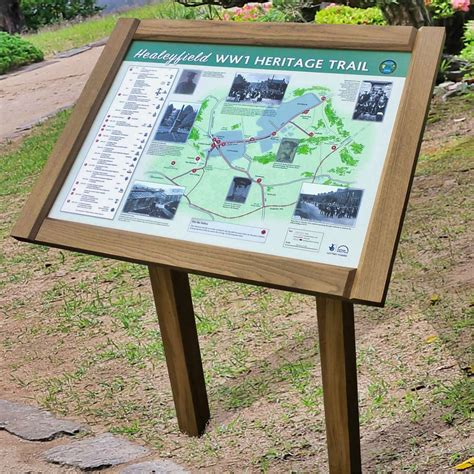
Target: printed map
x=222, y=146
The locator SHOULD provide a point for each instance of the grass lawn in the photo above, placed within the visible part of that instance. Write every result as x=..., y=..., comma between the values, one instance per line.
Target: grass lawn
x=63, y=37
x=80, y=336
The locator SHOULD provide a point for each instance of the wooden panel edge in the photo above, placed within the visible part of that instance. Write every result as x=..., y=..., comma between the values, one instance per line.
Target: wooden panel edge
x=378, y=255
x=303, y=35
x=55, y=171
x=221, y=262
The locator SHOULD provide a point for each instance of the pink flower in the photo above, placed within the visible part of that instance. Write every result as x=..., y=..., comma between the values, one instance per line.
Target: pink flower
x=226, y=17
x=461, y=5
x=267, y=6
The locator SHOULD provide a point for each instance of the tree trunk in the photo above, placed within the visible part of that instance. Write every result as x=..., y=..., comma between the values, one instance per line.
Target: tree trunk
x=11, y=17
x=407, y=13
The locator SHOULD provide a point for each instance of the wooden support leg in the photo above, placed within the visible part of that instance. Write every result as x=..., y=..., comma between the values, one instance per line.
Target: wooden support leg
x=338, y=366
x=178, y=330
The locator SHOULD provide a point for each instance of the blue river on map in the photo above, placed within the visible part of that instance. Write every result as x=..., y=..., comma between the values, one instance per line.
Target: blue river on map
x=274, y=119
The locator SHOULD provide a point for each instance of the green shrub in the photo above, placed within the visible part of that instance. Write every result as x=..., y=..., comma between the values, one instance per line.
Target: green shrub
x=290, y=9
x=343, y=15
x=39, y=13
x=15, y=51
x=467, y=52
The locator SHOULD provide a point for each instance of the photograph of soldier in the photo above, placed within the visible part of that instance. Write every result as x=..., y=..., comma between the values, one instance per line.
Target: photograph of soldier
x=177, y=122
x=187, y=82
x=153, y=200
x=239, y=190
x=258, y=89
x=287, y=150
x=340, y=206
x=372, y=101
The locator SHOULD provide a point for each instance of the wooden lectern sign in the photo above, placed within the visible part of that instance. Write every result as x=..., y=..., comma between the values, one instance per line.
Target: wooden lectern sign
x=275, y=154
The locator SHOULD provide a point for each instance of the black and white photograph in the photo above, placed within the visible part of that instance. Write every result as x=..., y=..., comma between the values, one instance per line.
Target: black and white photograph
x=177, y=122
x=287, y=150
x=335, y=205
x=258, y=89
x=239, y=190
x=153, y=200
x=372, y=101
x=187, y=82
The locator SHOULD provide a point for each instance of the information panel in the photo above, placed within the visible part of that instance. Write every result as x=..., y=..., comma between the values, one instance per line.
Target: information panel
x=274, y=151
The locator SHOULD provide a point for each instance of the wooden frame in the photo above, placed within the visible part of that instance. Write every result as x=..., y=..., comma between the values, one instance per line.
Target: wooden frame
x=366, y=285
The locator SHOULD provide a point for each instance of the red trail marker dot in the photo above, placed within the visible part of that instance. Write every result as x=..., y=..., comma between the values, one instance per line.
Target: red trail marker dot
x=263, y=232
x=198, y=158
x=274, y=133
x=194, y=171
x=323, y=97
x=334, y=147
x=259, y=180
x=173, y=163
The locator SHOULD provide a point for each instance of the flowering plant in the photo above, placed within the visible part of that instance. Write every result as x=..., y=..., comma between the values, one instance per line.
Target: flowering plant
x=447, y=8
x=460, y=5
x=253, y=12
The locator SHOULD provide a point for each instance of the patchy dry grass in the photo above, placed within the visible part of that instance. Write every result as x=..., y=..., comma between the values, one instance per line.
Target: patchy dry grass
x=79, y=336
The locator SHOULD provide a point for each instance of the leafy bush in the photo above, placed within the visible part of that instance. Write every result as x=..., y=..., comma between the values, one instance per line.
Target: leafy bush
x=467, y=52
x=447, y=8
x=15, y=52
x=39, y=13
x=343, y=15
x=291, y=10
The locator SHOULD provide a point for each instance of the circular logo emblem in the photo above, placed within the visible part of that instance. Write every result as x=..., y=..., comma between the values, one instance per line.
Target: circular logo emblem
x=388, y=67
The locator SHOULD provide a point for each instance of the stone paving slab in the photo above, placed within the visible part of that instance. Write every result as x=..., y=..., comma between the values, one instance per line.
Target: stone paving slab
x=94, y=453
x=155, y=467
x=33, y=424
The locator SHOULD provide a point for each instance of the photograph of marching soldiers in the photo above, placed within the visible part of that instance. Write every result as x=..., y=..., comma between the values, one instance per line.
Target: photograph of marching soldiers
x=239, y=190
x=258, y=89
x=153, y=200
x=372, y=101
x=187, y=82
x=177, y=122
x=340, y=206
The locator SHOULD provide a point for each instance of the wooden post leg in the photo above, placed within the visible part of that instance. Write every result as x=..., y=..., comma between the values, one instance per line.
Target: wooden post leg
x=178, y=330
x=338, y=366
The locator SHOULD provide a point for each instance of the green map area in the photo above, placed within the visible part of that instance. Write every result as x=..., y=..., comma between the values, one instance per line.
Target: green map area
x=247, y=162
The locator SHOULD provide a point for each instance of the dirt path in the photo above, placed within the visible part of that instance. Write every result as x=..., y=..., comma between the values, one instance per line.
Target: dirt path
x=31, y=95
